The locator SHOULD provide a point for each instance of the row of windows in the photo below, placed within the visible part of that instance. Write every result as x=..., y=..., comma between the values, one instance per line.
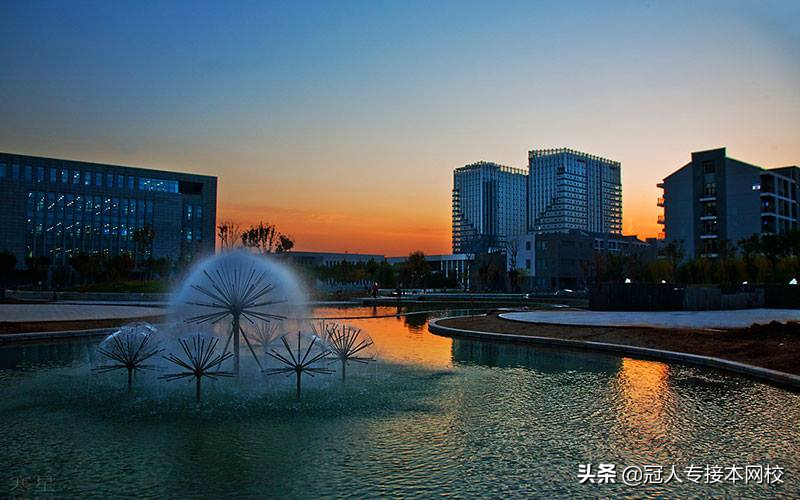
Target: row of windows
x=60, y=225
x=54, y=175
x=192, y=222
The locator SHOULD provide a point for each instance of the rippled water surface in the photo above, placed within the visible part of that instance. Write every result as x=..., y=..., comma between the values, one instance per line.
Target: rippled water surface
x=435, y=417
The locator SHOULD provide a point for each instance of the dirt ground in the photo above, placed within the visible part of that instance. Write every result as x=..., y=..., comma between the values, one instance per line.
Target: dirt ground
x=775, y=346
x=57, y=326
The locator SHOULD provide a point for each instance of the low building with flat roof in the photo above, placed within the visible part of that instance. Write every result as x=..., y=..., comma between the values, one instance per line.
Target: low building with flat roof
x=330, y=259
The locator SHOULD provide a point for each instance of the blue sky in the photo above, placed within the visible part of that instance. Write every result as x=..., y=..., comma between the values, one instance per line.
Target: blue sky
x=377, y=102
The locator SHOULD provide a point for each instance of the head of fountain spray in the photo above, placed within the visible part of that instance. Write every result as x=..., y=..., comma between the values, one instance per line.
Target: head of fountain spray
x=200, y=358
x=234, y=293
x=265, y=332
x=130, y=348
x=346, y=344
x=298, y=353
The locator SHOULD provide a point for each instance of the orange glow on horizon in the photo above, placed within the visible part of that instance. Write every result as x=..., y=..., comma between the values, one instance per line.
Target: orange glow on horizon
x=382, y=231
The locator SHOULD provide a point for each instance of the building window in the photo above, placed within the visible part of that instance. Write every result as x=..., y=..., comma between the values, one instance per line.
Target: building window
x=39, y=174
x=120, y=181
x=2, y=170
x=15, y=171
x=76, y=176
x=527, y=263
x=64, y=176
x=528, y=246
x=28, y=173
x=87, y=178
x=130, y=182
x=160, y=185
x=709, y=167
x=98, y=179
x=109, y=180
x=53, y=176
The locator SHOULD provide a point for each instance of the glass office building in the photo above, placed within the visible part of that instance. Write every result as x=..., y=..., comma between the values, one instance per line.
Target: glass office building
x=57, y=209
x=488, y=206
x=570, y=190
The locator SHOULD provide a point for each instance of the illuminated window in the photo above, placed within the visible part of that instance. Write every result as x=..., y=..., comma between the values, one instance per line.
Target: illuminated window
x=160, y=185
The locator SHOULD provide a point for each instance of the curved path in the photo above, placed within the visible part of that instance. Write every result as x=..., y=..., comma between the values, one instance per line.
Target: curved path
x=775, y=377
x=741, y=318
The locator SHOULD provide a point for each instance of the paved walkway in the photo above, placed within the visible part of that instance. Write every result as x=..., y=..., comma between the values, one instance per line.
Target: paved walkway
x=72, y=312
x=660, y=319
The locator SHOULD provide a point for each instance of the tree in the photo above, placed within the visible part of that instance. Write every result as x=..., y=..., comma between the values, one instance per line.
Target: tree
x=415, y=269
x=8, y=261
x=143, y=238
x=160, y=267
x=81, y=262
x=120, y=267
x=37, y=267
x=266, y=239
x=229, y=234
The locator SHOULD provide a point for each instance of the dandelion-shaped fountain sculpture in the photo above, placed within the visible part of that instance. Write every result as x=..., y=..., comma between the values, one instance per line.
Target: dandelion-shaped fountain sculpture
x=309, y=356
x=265, y=333
x=236, y=294
x=129, y=348
x=201, y=360
x=347, y=343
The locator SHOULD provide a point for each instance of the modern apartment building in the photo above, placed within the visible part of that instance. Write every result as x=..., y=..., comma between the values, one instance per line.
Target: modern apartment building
x=715, y=200
x=57, y=208
x=488, y=205
x=568, y=189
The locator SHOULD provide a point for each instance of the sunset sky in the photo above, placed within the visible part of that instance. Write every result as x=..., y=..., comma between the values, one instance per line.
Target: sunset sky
x=342, y=122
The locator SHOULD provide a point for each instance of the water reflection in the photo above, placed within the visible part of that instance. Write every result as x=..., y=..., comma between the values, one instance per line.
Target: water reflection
x=645, y=404
x=55, y=353
x=541, y=359
x=510, y=419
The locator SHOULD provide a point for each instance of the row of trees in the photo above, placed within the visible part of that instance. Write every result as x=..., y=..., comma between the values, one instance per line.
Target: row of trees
x=87, y=268
x=415, y=272
x=382, y=273
x=723, y=270
x=262, y=237
x=757, y=259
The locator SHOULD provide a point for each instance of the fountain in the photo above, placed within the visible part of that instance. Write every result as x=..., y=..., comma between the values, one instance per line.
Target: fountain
x=238, y=291
x=201, y=360
x=237, y=296
x=299, y=353
x=347, y=343
x=128, y=348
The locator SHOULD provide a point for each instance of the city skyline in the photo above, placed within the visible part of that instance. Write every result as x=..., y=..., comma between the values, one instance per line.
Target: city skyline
x=342, y=124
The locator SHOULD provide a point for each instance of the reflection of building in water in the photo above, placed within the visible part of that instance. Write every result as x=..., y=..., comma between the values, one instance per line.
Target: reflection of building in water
x=55, y=354
x=399, y=339
x=415, y=322
x=646, y=401
x=541, y=359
